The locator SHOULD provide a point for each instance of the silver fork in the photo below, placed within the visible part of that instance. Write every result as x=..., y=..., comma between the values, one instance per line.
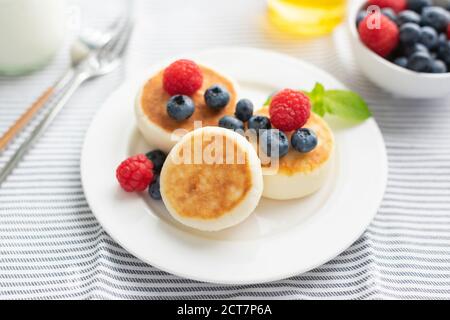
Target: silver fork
x=100, y=62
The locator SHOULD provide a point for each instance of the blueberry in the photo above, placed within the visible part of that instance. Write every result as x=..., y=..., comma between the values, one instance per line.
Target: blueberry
x=360, y=17
x=259, y=123
x=444, y=52
x=442, y=39
x=157, y=157
x=390, y=13
x=418, y=5
x=438, y=66
x=244, y=110
x=429, y=37
x=229, y=122
x=180, y=107
x=401, y=61
x=217, y=97
x=304, y=140
x=409, y=50
x=420, y=62
x=408, y=16
x=274, y=140
x=410, y=33
x=154, y=189
x=435, y=17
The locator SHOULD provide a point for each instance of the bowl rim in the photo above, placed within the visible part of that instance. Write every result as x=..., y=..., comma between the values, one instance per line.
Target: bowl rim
x=358, y=6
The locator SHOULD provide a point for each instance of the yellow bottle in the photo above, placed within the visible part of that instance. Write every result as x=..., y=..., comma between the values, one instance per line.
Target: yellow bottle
x=306, y=17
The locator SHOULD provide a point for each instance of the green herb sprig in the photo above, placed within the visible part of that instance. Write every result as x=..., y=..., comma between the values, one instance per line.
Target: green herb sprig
x=341, y=103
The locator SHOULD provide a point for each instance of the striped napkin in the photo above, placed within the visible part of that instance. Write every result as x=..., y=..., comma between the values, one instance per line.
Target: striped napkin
x=51, y=246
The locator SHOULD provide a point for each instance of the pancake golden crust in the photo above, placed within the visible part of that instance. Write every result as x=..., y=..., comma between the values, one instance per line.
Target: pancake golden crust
x=154, y=100
x=207, y=191
x=295, y=162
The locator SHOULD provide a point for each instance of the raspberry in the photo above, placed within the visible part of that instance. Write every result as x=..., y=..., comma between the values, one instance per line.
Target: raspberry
x=381, y=40
x=182, y=77
x=289, y=110
x=396, y=5
x=135, y=173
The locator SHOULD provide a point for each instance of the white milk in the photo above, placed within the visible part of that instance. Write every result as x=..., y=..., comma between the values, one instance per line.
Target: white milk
x=31, y=31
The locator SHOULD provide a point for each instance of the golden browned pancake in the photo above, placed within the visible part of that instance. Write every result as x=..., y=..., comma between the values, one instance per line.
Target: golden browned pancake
x=212, y=179
x=154, y=101
x=301, y=174
x=158, y=128
x=295, y=162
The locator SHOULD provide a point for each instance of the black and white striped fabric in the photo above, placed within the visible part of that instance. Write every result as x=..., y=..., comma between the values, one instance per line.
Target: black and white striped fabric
x=51, y=246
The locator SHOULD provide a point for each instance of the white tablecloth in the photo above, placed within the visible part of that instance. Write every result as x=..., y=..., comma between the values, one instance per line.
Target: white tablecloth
x=51, y=246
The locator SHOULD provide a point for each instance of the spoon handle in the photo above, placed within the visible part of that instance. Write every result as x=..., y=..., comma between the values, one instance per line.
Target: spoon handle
x=26, y=117
x=76, y=79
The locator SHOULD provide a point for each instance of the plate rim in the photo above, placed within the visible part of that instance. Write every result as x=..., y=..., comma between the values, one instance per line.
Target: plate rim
x=255, y=280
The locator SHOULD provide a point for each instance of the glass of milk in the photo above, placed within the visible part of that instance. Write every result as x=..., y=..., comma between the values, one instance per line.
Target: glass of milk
x=31, y=31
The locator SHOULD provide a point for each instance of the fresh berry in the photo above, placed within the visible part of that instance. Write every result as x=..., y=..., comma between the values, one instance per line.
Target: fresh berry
x=436, y=17
x=442, y=39
x=182, y=77
x=154, y=190
x=360, y=17
x=418, y=5
x=304, y=140
x=217, y=97
x=244, y=110
x=409, y=50
x=289, y=110
x=438, y=66
x=410, y=33
x=429, y=37
x=420, y=62
x=381, y=40
x=135, y=173
x=180, y=107
x=274, y=143
x=408, y=16
x=444, y=52
x=396, y=5
x=388, y=12
x=157, y=157
x=258, y=123
x=401, y=62
x=232, y=123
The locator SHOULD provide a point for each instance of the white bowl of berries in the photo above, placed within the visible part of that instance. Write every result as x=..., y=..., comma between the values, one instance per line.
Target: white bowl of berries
x=403, y=46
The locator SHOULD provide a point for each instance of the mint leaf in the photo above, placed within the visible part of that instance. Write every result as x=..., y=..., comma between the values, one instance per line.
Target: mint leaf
x=318, y=91
x=316, y=96
x=319, y=109
x=341, y=103
x=346, y=104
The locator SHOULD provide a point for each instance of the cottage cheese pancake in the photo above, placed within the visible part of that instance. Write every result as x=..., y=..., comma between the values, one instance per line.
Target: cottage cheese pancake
x=301, y=174
x=212, y=179
x=151, y=108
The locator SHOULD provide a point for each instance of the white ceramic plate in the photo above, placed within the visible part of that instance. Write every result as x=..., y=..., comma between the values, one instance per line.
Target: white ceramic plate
x=281, y=239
